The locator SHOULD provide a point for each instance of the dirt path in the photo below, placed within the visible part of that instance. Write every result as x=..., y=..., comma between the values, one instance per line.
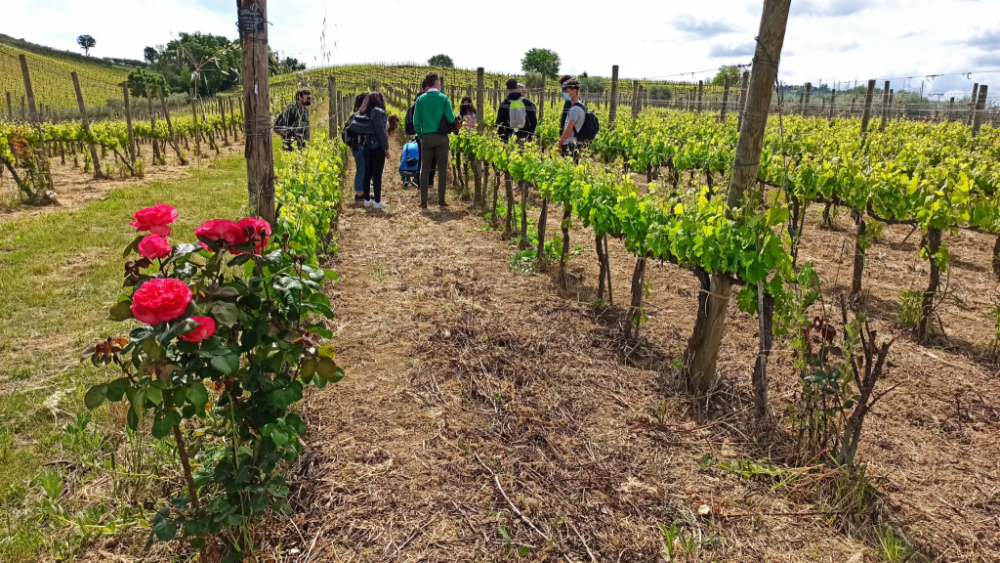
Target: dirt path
x=473, y=389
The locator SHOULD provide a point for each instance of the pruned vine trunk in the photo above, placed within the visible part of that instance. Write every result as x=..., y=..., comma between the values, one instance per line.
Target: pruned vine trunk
x=564, y=257
x=996, y=257
x=508, y=184
x=638, y=289
x=933, y=239
x=601, y=268
x=702, y=353
x=859, y=254
x=523, y=243
x=765, y=318
x=542, y=220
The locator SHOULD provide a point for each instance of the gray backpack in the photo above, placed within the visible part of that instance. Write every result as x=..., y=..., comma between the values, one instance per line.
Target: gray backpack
x=518, y=114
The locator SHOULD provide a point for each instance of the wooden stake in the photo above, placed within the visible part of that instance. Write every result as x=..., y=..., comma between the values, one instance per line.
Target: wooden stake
x=128, y=124
x=635, y=99
x=743, y=97
x=977, y=118
x=152, y=123
x=257, y=120
x=30, y=93
x=833, y=102
x=613, y=108
x=885, y=104
x=701, y=88
x=332, y=85
x=10, y=109
x=86, y=126
x=867, y=115
x=725, y=102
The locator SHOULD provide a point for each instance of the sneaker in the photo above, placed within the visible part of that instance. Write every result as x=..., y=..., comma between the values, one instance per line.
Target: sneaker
x=379, y=205
x=368, y=203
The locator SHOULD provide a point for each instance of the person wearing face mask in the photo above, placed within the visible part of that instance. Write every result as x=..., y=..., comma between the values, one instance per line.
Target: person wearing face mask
x=567, y=105
x=468, y=114
x=575, y=118
x=293, y=121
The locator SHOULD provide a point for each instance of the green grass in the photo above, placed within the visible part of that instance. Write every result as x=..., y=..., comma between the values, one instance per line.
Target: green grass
x=59, y=274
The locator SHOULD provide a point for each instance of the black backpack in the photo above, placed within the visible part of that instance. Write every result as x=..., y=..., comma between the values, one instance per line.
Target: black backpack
x=350, y=135
x=591, y=126
x=410, y=128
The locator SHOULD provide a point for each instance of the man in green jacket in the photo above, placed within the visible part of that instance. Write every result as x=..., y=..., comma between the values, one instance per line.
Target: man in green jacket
x=433, y=119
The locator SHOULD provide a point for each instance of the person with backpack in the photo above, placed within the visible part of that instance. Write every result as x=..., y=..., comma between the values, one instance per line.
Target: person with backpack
x=433, y=121
x=517, y=115
x=581, y=125
x=370, y=122
x=292, y=123
x=411, y=131
x=357, y=150
x=566, y=105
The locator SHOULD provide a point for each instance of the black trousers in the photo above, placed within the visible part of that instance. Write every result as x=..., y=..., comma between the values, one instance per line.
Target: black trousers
x=374, y=166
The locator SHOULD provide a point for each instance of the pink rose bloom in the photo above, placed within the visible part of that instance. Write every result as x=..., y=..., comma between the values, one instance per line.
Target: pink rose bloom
x=155, y=219
x=222, y=230
x=205, y=329
x=160, y=300
x=260, y=232
x=154, y=246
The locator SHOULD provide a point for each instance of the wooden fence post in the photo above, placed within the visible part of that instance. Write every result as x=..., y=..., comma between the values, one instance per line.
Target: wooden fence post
x=867, y=115
x=725, y=102
x=152, y=124
x=613, y=101
x=128, y=125
x=635, y=99
x=833, y=102
x=805, y=103
x=702, y=353
x=333, y=117
x=10, y=109
x=743, y=97
x=885, y=104
x=971, y=106
x=701, y=89
x=170, y=127
x=977, y=119
x=86, y=126
x=951, y=106
x=222, y=114
x=30, y=93
x=256, y=101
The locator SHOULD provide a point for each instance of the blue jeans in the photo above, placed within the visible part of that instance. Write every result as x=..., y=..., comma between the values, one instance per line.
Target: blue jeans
x=359, y=170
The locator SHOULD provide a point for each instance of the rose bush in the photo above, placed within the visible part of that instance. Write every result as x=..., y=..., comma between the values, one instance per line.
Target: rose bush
x=156, y=219
x=153, y=247
x=226, y=349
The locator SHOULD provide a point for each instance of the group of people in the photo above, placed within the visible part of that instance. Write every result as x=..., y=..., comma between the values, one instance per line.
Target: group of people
x=431, y=119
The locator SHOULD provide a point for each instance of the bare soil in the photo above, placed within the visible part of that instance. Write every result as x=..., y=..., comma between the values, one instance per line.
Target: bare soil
x=482, y=404
x=74, y=187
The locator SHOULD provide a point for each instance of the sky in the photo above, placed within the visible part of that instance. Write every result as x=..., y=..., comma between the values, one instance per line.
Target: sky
x=827, y=41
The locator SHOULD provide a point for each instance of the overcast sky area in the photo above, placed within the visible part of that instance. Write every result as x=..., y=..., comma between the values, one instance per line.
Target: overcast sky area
x=827, y=40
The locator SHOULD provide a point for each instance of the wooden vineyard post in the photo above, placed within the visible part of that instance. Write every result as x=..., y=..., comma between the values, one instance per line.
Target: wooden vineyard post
x=867, y=115
x=256, y=101
x=951, y=106
x=702, y=353
x=701, y=89
x=86, y=126
x=805, y=102
x=222, y=114
x=725, y=102
x=744, y=81
x=891, y=94
x=128, y=126
x=24, y=110
x=332, y=85
x=972, y=103
x=152, y=124
x=194, y=116
x=613, y=100
x=833, y=101
x=977, y=118
x=635, y=99
x=541, y=101
x=479, y=196
x=885, y=105
x=170, y=127
x=30, y=93
x=10, y=109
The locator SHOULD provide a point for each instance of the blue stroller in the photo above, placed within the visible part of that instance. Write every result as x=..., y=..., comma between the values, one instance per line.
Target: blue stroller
x=409, y=165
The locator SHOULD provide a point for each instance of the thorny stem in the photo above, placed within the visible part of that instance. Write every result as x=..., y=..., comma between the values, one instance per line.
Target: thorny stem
x=182, y=453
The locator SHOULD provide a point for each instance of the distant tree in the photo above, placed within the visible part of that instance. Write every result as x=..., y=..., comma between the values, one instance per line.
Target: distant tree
x=591, y=84
x=443, y=61
x=541, y=60
x=277, y=65
x=660, y=92
x=139, y=80
x=534, y=80
x=209, y=63
x=86, y=43
x=727, y=73
x=150, y=54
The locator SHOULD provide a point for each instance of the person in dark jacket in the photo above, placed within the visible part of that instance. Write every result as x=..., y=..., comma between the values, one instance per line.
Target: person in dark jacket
x=359, y=155
x=566, y=105
x=520, y=103
x=293, y=121
x=371, y=121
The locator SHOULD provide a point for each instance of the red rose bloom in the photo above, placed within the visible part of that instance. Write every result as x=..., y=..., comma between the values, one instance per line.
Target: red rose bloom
x=260, y=232
x=222, y=230
x=160, y=300
x=205, y=329
x=154, y=246
x=155, y=219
